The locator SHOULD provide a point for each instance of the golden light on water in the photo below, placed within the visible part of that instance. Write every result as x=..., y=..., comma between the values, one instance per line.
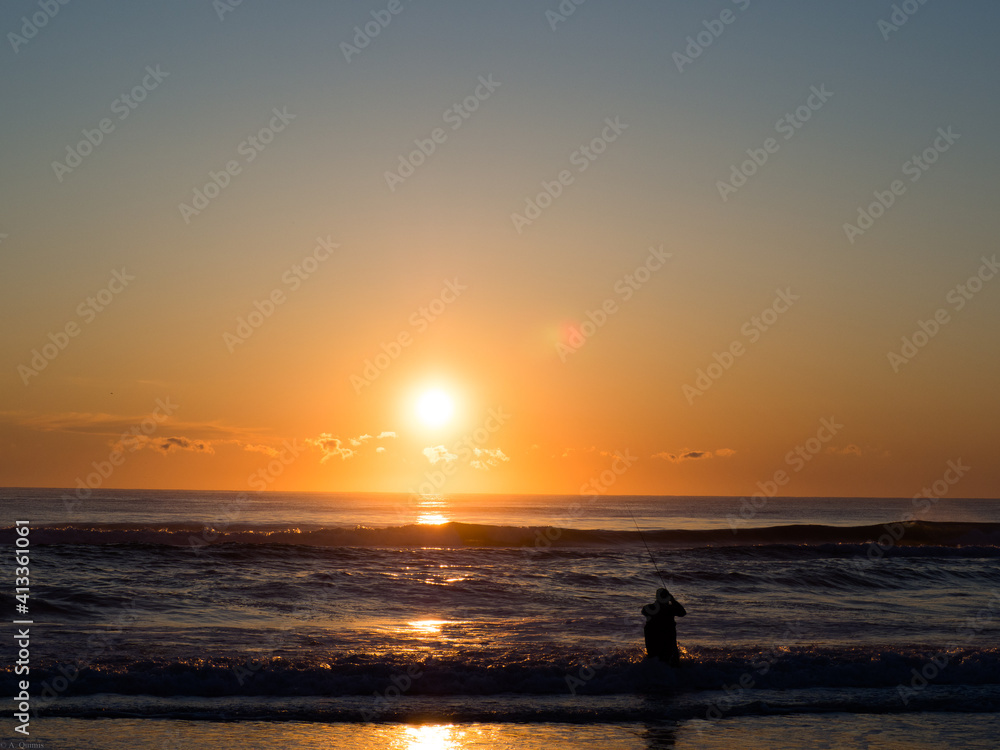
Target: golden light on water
x=431, y=738
x=427, y=627
x=428, y=510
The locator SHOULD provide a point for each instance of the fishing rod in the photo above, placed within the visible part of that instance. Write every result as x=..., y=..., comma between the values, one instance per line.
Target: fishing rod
x=648, y=550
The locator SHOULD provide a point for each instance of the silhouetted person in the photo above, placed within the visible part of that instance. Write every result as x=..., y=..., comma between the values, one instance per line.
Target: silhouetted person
x=660, y=629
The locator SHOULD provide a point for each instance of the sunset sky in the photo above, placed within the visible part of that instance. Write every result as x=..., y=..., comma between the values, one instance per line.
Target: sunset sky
x=279, y=207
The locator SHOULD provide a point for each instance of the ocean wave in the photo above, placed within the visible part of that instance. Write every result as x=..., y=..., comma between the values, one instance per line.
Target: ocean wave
x=656, y=709
x=594, y=673
x=930, y=538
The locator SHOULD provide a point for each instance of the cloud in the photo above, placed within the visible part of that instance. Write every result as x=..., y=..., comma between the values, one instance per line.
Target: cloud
x=438, y=453
x=98, y=423
x=687, y=455
x=694, y=455
x=848, y=450
x=570, y=451
x=131, y=426
x=682, y=456
x=133, y=443
x=166, y=445
x=331, y=446
x=267, y=450
x=131, y=433
x=487, y=457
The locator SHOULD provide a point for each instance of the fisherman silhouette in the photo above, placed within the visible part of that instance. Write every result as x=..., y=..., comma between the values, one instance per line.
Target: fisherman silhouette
x=660, y=629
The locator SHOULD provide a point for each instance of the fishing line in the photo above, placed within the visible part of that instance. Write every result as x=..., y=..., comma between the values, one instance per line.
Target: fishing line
x=651, y=558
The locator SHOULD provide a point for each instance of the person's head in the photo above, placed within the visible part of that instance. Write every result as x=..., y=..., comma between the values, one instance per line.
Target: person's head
x=662, y=595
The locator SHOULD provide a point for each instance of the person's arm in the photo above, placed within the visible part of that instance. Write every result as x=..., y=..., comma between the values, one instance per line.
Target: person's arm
x=676, y=608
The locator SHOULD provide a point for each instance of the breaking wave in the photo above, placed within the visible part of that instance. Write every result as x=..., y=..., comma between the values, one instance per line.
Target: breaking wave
x=923, y=538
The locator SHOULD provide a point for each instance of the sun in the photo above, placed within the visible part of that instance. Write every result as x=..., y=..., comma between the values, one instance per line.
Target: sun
x=435, y=408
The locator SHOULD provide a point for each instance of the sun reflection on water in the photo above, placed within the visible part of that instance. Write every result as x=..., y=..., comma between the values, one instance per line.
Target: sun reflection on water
x=429, y=510
x=431, y=737
x=427, y=627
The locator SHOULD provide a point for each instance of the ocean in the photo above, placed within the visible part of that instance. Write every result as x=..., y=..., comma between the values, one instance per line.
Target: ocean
x=182, y=619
